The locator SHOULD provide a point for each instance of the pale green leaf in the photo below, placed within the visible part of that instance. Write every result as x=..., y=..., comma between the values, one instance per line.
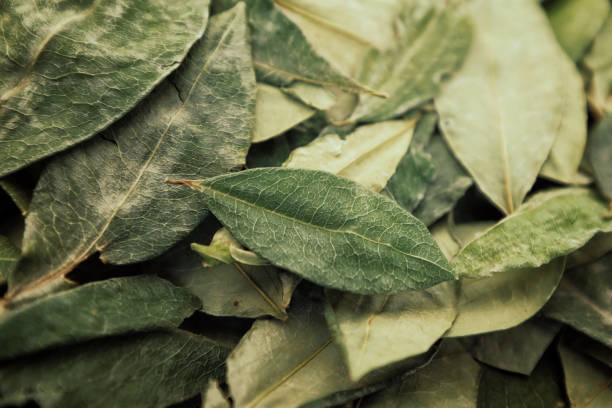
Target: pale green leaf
x=600, y=156
x=213, y=397
x=501, y=112
x=146, y=370
x=368, y=156
x=375, y=331
x=599, y=62
x=576, y=22
x=110, y=195
x=449, y=381
x=583, y=300
x=20, y=195
x=413, y=175
x=587, y=381
x=70, y=69
x=516, y=350
x=597, y=247
x=9, y=255
x=551, y=224
x=276, y=112
x=98, y=309
x=224, y=248
x=314, y=96
x=327, y=229
x=433, y=41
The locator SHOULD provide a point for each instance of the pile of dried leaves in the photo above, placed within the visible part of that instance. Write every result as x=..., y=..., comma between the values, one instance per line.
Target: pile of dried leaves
x=312, y=203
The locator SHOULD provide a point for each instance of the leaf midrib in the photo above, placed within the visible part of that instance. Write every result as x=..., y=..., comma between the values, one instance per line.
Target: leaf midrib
x=83, y=252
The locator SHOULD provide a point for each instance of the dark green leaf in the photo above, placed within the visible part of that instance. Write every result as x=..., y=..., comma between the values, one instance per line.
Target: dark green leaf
x=413, y=175
x=326, y=229
x=69, y=70
x=20, y=195
x=600, y=156
x=599, y=62
x=110, y=195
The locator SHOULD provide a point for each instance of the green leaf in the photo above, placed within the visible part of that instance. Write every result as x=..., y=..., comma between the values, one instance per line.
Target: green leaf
x=451, y=380
x=588, y=382
x=516, y=350
x=225, y=249
x=583, y=300
x=20, y=195
x=597, y=247
x=590, y=347
x=447, y=188
x=540, y=390
x=275, y=112
x=599, y=61
x=213, y=397
x=551, y=224
x=375, y=331
x=281, y=53
x=327, y=229
x=576, y=22
x=314, y=96
x=501, y=112
x=9, y=255
x=368, y=156
x=69, y=71
x=434, y=40
x=109, y=196
x=98, y=309
x=413, y=175
x=155, y=369
x=600, y=156
x=297, y=363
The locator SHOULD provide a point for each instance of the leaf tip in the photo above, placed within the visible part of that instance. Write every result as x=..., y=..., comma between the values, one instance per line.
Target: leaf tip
x=189, y=183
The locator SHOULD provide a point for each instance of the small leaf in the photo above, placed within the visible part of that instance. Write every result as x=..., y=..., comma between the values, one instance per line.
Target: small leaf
x=501, y=111
x=551, y=224
x=70, y=71
x=109, y=307
x=375, y=331
x=367, y=156
x=153, y=369
x=583, y=300
x=518, y=349
x=327, y=229
x=276, y=112
x=109, y=196
x=451, y=380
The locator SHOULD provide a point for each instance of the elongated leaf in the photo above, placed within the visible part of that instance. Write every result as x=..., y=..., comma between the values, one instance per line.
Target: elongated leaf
x=281, y=53
x=110, y=196
x=588, y=346
x=501, y=112
x=599, y=62
x=9, y=255
x=297, y=363
x=98, y=309
x=276, y=112
x=583, y=300
x=327, y=229
x=450, y=183
x=68, y=72
x=588, y=382
x=540, y=390
x=367, y=156
x=516, y=350
x=451, y=380
x=434, y=40
x=414, y=173
x=600, y=156
x=314, y=96
x=213, y=397
x=540, y=231
x=144, y=370
x=576, y=22
x=375, y=331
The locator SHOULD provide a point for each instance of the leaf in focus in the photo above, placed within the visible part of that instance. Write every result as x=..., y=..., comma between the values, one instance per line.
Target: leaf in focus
x=588, y=382
x=109, y=307
x=502, y=135
x=450, y=183
x=368, y=156
x=541, y=389
x=451, y=380
x=9, y=255
x=375, y=331
x=413, y=175
x=213, y=396
x=576, y=22
x=275, y=112
x=600, y=156
x=326, y=229
x=518, y=349
x=583, y=300
x=152, y=369
x=551, y=224
x=68, y=71
x=110, y=195
x=434, y=39
x=225, y=249
x=599, y=61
